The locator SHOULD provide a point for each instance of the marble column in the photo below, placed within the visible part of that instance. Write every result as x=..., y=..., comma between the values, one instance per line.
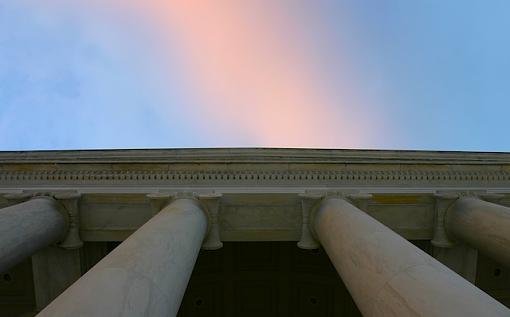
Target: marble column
x=459, y=257
x=57, y=267
x=387, y=275
x=147, y=274
x=28, y=227
x=483, y=225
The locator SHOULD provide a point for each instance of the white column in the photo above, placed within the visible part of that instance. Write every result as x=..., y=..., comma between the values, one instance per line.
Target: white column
x=457, y=256
x=55, y=268
x=146, y=275
x=29, y=226
x=483, y=225
x=387, y=275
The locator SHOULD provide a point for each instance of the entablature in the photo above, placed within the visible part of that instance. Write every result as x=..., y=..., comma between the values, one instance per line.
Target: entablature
x=259, y=188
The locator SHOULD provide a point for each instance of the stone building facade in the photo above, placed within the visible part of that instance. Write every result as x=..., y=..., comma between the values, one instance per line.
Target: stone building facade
x=251, y=232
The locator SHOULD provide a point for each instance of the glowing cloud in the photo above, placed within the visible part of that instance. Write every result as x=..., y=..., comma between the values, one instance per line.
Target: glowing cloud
x=248, y=69
x=253, y=73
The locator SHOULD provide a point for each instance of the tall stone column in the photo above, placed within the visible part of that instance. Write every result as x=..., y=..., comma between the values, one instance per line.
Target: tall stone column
x=459, y=257
x=483, y=225
x=147, y=274
x=387, y=275
x=29, y=226
x=55, y=268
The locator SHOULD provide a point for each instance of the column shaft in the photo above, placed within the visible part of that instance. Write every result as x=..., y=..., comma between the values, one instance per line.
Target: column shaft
x=461, y=258
x=28, y=227
x=146, y=275
x=481, y=224
x=54, y=270
x=387, y=275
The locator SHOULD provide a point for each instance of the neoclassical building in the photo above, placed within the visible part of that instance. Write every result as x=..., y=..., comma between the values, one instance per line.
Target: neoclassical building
x=254, y=232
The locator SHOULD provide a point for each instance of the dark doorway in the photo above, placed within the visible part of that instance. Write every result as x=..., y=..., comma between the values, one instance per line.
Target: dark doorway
x=265, y=279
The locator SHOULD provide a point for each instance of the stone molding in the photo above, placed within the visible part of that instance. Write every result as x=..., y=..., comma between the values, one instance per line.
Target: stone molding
x=255, y=166
x=254, y=155
x=70, y=203
x=208, y=175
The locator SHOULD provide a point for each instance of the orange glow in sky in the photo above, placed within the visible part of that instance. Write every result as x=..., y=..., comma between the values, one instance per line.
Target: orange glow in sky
x=252, y=72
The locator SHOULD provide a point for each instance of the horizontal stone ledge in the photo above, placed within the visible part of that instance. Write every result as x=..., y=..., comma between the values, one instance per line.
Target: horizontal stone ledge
x=426, y=190
x=250, y=173
x=103, y=235
x=261, y=155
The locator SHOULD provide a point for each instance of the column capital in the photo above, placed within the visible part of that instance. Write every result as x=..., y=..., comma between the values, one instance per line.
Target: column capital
x=444, y=201
x=454, y=194
x=158, y=201
x=446, y=195
x=211, y=203
x=492, y=197
x=67, y=195
x=312, y=195
x=478, y=194
x=308, y=202
x=15, y=198
x=184, y=195
x=70, y=202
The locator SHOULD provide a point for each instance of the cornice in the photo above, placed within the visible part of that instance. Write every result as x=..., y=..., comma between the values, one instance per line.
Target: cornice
x=253, y=155
x=254, y=167
x=207, y=175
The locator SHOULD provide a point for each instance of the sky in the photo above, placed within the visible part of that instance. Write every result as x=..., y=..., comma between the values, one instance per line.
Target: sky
x=354, y=74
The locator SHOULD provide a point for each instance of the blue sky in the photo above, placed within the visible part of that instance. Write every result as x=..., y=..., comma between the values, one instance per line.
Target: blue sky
x=429, y=75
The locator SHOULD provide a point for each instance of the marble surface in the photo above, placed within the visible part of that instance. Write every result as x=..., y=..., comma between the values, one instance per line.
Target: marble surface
x=28, y=227
x=146, y=275
x=388, y=276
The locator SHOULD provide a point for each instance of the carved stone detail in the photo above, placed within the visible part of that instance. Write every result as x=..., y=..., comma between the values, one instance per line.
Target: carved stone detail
x=307, y=240
x=443, y=202
x=212, y=207
x=492, y=198
x=70, y=203
x=70, y=210
x=16, y=198
x=353, y=176
x=158, y=201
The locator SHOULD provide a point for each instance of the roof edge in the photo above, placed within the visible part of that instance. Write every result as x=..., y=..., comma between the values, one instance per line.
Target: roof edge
x=251, y=155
